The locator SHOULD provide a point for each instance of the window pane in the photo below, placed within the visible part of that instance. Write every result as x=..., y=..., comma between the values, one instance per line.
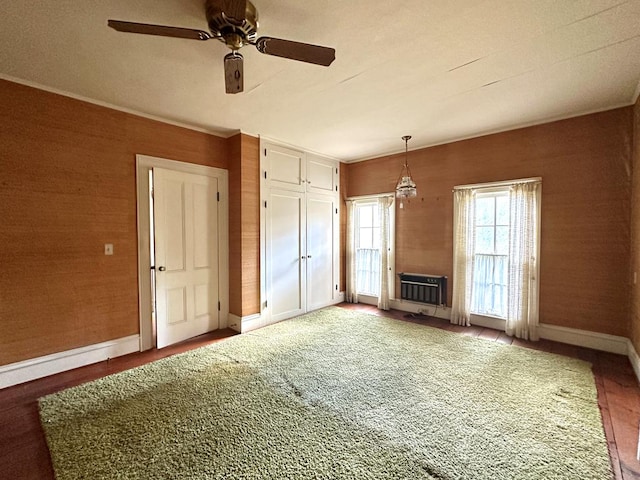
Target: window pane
x=366, y=215
x=502, y=240
x=375, y=211
x=368, y=271
x=489, y=295
x=502, y=210
x=376, y=238
x=365, y=238
x=485, y=210
x=368, y=242
x=484, y=240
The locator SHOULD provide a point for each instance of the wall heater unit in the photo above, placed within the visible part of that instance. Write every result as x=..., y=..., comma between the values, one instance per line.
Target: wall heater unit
x=418, y=287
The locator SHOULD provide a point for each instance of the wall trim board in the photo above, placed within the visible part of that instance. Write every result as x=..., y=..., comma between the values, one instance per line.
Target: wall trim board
x=34, y=368
x=584, y=338
x=571, y=336
x=414, y=307
x=253, y=322
x=234, y=322
x=634, y=358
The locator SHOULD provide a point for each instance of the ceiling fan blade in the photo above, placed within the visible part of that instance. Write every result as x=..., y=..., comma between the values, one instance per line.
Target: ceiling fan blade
x=162, y=30
x=233, y=72
x=303, y=52
x=235, y=10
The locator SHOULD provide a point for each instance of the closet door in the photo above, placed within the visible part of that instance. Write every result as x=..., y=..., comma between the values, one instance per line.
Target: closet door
x=285, y=256
x=285, y=168
x=321, y=175
x=321, y=225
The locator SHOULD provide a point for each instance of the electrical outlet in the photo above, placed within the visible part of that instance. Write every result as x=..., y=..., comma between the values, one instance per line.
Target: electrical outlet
x=108, y=248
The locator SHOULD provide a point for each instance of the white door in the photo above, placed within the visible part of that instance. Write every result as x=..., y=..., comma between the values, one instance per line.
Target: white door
x=186, y=245
x=285, y=256
x=322, y=174
x=321, y=226
x=285, y=168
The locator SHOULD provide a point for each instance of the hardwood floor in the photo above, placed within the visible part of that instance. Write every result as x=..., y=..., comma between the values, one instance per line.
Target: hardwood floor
x=24, y=453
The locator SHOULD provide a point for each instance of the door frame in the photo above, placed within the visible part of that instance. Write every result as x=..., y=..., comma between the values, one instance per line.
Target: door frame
x=144, y=164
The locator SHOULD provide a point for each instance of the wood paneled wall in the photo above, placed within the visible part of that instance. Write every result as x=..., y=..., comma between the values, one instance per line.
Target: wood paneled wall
x=586, y=199
x=344, y=187
x=244, y=225
x=635, y=231
x=67, y=187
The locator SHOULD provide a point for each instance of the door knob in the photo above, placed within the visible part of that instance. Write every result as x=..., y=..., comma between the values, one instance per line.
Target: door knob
x=162, y=269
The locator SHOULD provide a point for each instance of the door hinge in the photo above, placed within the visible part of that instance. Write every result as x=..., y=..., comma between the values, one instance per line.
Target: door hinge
x=265, y=174
x=336, y=210
x=336, y=188
x=336, y=169
x=265, y=152
x=336, y=287
x=218, y=195
x=218, y=306
x=265, y=204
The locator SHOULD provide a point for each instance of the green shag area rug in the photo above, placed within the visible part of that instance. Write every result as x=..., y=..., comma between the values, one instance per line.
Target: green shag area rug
x=335, y=394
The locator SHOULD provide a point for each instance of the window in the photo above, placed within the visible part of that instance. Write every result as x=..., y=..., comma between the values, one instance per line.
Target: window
x=491, y=254
x=369, y=250
x=367, y=246
x=496, y=249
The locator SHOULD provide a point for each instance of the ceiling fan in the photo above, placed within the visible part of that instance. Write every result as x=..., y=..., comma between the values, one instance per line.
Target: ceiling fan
x=235, y=23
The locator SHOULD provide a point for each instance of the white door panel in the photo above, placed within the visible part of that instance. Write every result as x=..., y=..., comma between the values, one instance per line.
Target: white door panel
x=320, y=235
x=322, y=175
x=286, y=168
x=285, y=254
x=186, y=245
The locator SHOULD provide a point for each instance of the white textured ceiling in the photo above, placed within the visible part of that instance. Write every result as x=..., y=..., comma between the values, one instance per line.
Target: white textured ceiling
x=438, y=70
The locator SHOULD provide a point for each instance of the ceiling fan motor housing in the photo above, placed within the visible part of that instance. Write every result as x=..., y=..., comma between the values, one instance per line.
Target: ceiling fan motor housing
x=227, y=19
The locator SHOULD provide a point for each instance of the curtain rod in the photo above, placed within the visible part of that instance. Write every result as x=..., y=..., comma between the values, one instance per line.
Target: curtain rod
x=503, y=183
x=373, y=195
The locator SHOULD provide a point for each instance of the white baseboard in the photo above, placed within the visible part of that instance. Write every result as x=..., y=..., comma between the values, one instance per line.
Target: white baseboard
x=39, y=367
x=635, y=363
x=252, y=322
x=234, y=322
x=571, y=336
x=413, y=307
x=584, y=338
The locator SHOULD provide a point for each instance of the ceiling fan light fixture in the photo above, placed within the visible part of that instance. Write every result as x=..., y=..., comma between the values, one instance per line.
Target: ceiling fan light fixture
x=405, y=186
x=235, y=23
x=233, y=72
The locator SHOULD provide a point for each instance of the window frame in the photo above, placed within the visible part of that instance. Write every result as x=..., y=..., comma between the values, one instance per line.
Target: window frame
x=494, y=193
x=358, y=201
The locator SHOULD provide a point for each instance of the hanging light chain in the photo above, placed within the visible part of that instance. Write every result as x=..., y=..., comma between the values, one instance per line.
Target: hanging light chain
x=405, y=186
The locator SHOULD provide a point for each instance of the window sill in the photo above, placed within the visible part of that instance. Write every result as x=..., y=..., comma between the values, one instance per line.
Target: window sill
x=487, y=321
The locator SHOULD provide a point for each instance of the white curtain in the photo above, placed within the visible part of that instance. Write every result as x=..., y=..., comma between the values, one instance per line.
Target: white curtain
x=383, y=210
x=463, y=248
x=350, y=251
x=522, y=310
x=368, y=270
x=490, y=276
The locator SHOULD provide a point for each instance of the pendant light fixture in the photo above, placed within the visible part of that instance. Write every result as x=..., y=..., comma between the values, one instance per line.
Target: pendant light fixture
x=406, y=187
